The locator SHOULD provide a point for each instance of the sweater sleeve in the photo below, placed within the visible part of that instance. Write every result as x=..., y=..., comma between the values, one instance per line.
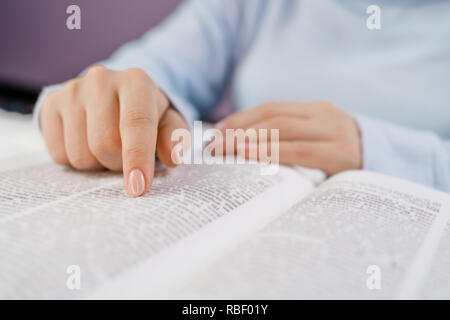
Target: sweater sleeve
x=418, y=156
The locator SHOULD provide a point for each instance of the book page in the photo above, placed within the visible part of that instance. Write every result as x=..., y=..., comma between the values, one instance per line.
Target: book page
x=332, y=243
x=54, y=220
x=437, y=281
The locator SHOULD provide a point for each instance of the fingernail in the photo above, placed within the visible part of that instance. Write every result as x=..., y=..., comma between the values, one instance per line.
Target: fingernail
x=136, y=183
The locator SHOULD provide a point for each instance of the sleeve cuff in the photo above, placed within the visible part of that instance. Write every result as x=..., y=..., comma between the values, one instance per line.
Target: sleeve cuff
x=398, y=151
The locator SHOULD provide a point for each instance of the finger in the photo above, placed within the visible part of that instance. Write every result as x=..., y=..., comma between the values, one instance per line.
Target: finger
x=280, y=128
x=52, y=131
x=75, y=140
x=293, y=129
x=246, y=118
x=138, y=131
x=316, y=155
x=102, y=119
x=171, y=152
x=234, y=139
x=303, y=153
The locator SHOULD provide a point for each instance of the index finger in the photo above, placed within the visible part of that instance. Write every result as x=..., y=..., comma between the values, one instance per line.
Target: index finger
x=248, y=117
x=138, y=132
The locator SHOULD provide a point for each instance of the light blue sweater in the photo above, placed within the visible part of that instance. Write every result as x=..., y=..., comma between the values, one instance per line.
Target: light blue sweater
x=395, y=81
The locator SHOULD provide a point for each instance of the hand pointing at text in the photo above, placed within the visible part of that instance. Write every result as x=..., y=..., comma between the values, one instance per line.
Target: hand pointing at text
x=111, y=119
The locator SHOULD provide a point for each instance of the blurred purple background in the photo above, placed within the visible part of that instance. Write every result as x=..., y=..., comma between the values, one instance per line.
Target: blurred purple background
x=36, y=48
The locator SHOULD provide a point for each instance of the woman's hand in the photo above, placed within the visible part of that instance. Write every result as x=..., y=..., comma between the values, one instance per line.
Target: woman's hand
x=316, y=135
x=111, y=119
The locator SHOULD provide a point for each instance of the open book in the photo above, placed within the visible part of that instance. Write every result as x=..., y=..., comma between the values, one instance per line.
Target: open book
x=219, y=231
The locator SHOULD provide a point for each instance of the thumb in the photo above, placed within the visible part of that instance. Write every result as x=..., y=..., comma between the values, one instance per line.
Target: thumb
x=170, y=147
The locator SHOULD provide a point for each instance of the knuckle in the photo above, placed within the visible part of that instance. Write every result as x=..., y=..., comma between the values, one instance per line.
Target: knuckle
x=49, y=102
x=137, y=74
x=80, y=161
x=71, y=85
x=96, y=81
x=59, y=156
x=69, y=93
x=327, y=106
x=268, y=110
x=97, y=71
x=135, y=118
x=135, y=153
x=105, y=145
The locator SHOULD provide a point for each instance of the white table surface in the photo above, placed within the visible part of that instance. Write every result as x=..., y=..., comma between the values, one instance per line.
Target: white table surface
x=18, y=135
